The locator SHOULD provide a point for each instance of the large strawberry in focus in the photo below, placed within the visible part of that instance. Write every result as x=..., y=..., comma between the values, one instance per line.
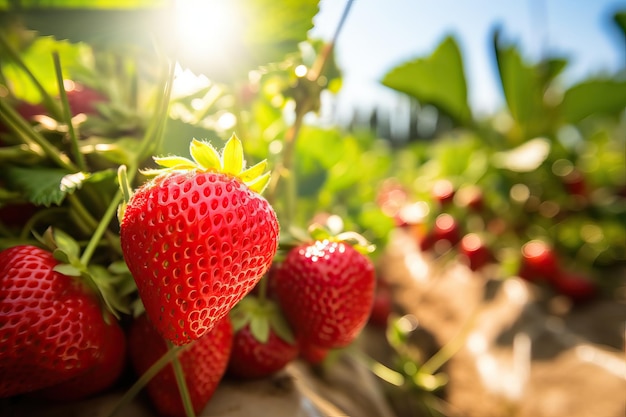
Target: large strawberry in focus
x=198, y=238
x=52, y=327
x=326, y=289
x=204, y=364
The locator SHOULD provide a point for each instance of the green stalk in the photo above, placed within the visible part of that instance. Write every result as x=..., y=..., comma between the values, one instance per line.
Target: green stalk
x=101, y=229
x=284, y=169
x=145, y=378
x=153, y=137
x=49, y=102
x=67, y=114
x=25, y=130
x=182, y=384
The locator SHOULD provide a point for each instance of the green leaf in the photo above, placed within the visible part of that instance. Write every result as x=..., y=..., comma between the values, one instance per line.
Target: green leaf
x=175, y=162
x=260, y=184
x=281, y=328
x=42, y=186
x=67, y=244
x=205, y=155
x=254, y=171
x=260, y=328
x=232, y=156
x=67, y=269
x=620, y=20
x=523, y=86
x=438, y=80
x=594, y=96
x=38, y=58
x=524, y=158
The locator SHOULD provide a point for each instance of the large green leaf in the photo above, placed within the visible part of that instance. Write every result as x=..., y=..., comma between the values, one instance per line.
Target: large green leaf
x=620, y=20
x=520, y=84
x=594, y=96
x=43, y=186
x=438, y=79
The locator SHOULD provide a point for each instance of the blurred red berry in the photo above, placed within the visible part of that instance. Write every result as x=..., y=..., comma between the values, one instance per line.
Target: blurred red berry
x=539, y=261
x=474, y=249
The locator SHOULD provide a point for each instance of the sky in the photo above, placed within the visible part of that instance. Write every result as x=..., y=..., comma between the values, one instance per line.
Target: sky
x=381, y=34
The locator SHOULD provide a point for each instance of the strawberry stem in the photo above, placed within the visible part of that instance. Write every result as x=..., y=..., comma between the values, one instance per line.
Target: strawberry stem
x=154, y=134
x=101, y=229
x=145, y=378
x=182, y=384
x=67, y=113
x=48, y=101
x=284, y=169
x=31, y=136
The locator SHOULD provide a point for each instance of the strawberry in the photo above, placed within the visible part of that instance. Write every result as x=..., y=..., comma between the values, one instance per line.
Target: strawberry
x=263, y=343
x=51, y=327
x=312, y=354
x=382, y=306
x=576, y=286
x=443, y=191
x=539, y=261
x=326, y=289
x=100, y=377
x=83, y=99
x=198, y=238
x=475, y=251
x=204, y=363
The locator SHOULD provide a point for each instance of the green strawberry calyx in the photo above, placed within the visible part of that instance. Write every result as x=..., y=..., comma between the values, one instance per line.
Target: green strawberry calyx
x=262, y=315
x=205, y=158
x=320, y=232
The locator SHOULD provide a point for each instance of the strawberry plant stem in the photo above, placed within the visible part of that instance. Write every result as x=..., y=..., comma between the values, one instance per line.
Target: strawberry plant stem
x=67, y=113
x=182, y=384
x=29, y=136
x=154, y=133
x=48, y=101
x=102, y=227
x=145, y=378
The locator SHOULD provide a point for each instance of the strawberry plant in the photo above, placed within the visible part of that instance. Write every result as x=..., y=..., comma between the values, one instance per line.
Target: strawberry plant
x=205, y=271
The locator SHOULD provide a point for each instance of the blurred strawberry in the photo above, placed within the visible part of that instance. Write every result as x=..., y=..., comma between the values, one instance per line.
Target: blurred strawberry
x=382, y=306
x=83, y=99
x=474, y=249
x=574, y=285
x=443, y=191
x=539, y=261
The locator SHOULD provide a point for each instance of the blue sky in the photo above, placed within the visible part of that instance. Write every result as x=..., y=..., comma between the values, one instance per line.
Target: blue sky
x=380, y=34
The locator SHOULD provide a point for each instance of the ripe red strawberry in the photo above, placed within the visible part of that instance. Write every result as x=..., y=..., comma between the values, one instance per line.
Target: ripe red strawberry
x=263, y=343
x=476, y=252
x=443, y=191
x=326, y=289
x=203, y=363
x=574, y=285
x=382, y=306
x=311, y=353
x=83, y=99
x=51, y=327
x=539, y=261
x=445, y=229
x=198, y=238
x=101, y=376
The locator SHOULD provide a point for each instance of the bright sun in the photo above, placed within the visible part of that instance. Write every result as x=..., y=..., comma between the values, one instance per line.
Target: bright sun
x=207, y=27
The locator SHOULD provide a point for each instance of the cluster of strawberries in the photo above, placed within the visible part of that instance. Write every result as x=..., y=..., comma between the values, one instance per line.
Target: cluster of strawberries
x=202, y=245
